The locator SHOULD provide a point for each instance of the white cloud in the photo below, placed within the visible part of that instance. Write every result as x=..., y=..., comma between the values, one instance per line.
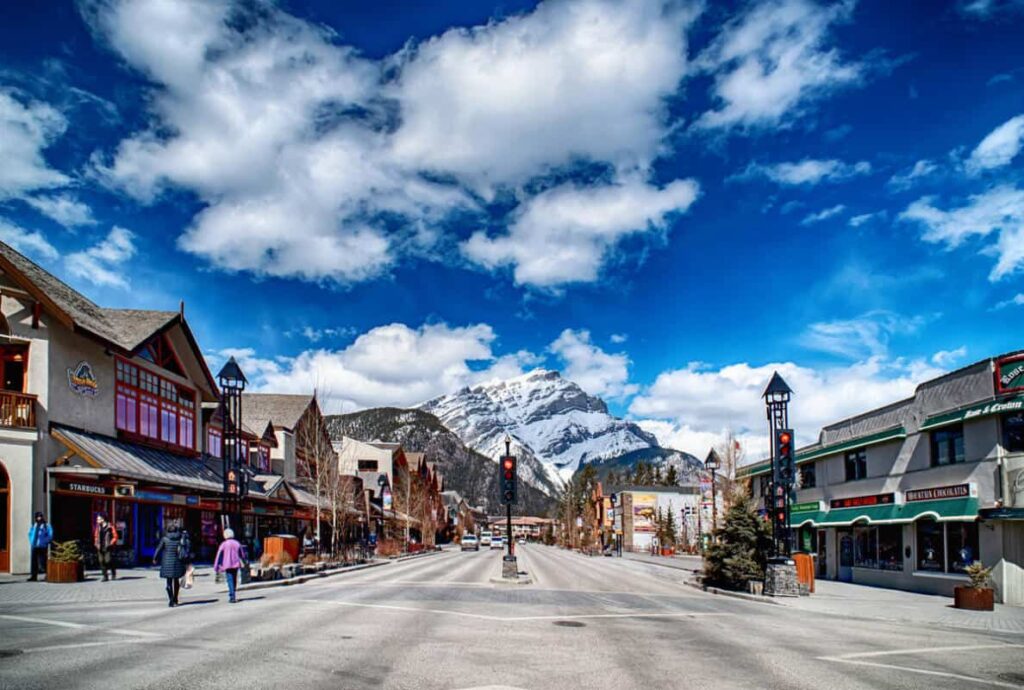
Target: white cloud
x=694, y=405
x=947, y=358
x=921, y=169
x=857, y=221
x=822, y=215
x=594, y=370
x=1015, y=301
x=394, y=365
x=563, y=235
x=27, y=242
x=773, y=61
x=806, y=172
x=986, y=9
x=998, y=148
x=999, y=211
x=26, y=128
x=305, y=153
x=63, y=208
x=101, y=263
x=618, y=338
x=859, y=338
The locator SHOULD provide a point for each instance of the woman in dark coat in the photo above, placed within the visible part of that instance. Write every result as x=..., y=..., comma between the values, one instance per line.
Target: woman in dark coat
x=172, y=562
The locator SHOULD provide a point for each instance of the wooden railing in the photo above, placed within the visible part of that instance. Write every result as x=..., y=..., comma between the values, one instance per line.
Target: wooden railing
x=17, y=410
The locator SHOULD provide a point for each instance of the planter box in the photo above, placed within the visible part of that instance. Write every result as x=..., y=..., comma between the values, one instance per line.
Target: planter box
x=980, y=599
x=73, y=571
x=667, y=552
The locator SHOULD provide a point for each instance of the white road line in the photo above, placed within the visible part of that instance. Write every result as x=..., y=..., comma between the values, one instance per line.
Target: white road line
x=926, y=672
x=68, y=624
x=507, y=619
x=925, y=650
x=83, y=645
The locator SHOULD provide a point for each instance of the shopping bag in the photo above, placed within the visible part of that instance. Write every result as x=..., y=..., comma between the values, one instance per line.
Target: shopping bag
x=190, y=573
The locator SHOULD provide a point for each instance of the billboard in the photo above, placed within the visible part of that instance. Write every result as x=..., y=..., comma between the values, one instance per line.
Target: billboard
x=644, y=513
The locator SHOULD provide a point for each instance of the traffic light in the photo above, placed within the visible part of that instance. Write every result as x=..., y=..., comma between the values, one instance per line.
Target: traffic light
x=785, y=456
x=507, y=480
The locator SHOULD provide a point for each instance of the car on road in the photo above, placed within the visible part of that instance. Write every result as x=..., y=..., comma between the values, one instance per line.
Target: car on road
x=470, y=542
x=485, y=538
x=521, y=541
x=497, y=542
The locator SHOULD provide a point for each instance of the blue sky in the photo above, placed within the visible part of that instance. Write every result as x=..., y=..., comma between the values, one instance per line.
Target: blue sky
x=666, y=201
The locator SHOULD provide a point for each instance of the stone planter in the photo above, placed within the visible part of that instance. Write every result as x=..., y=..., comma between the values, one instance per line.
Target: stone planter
x=65, y=571
x=974, y=598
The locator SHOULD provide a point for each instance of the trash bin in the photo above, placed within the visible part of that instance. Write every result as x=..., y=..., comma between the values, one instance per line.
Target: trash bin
x=282, y=543
x=804, y=572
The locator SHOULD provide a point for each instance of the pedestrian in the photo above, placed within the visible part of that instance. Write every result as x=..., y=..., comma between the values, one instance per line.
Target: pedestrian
x=172, y=567
x=104, y=538
x=230, y=557
x=40, y=534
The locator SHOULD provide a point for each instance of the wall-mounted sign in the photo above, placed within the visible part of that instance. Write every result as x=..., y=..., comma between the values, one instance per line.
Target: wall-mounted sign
x=81, y=380
x=860, y=501
x=807, y=507
x=1010, y=374
x=154, y=496
x=938, y=492
x=124, y=490
x=83, y=488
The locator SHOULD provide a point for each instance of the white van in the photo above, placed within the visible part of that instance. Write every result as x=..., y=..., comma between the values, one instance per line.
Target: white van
x=485, y=539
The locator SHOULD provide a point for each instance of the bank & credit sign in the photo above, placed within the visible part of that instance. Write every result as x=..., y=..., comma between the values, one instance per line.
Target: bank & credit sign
x=1010, y=374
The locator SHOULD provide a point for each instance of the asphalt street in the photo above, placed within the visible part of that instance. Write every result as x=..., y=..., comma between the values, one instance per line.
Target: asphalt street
x=439, y=622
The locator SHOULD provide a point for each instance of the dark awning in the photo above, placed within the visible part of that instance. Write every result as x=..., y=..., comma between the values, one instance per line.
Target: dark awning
x=983, y=409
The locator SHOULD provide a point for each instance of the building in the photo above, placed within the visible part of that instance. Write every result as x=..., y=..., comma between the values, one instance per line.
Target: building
x=633, y=517
x=523, y=526
x=907, y=495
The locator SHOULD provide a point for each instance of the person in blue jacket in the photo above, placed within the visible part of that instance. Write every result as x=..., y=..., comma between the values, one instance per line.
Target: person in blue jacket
x=40, y=534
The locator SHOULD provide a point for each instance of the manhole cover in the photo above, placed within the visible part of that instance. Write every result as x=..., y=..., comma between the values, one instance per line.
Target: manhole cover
x=9, y=652
x=1012, y=677
x=570, y=624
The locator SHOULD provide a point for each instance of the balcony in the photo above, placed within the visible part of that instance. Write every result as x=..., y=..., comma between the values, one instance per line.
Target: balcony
x=17, y=410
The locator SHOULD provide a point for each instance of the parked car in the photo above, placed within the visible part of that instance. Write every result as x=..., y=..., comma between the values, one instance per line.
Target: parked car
x=485, y=539
x=521, y=541
x=470, y=542
x=497, y=542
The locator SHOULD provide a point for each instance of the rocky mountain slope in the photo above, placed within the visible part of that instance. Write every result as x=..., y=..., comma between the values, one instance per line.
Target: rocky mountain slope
x=554, y=424
x=465, y=470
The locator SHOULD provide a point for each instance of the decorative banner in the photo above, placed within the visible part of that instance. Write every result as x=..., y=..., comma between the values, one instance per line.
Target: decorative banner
x=81, y=380
x=1010, y=374
x=861, y=501
x=644, y=513
x=938, y=492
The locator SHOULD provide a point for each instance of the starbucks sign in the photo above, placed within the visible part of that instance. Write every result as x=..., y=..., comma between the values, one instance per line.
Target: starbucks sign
x=1010, y=374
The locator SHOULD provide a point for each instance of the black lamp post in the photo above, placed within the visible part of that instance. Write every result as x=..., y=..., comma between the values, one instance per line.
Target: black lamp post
x=776, y=397
x=712, y=463
x=236, y=482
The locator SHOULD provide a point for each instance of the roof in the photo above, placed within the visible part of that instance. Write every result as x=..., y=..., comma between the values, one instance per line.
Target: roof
x=261, y=409
x=137, y=461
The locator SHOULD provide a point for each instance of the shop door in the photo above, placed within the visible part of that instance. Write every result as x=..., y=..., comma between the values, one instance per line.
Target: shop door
x=845, y=557
x=150, y=522
x=5, y=521
x=822, y=555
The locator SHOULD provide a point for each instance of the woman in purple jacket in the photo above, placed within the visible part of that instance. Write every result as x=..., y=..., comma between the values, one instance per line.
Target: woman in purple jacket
x=230, y=557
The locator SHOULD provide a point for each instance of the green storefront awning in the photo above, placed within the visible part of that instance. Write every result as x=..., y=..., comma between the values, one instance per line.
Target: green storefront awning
x=813, y=517
x=942, y=510
x=843, y=517
x=984, y=409
x=854, y=443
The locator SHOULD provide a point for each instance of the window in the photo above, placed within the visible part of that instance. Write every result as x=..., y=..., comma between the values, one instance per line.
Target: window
x=152, y=407
x=880, y=548
x=367, y=465
x=931, y=546
x=1013, y=432
x=948, y=445
x=808, y=476
x=259, y=458
x=962, y=540
x=856, y=465
x=214, y=442
x=764, y=485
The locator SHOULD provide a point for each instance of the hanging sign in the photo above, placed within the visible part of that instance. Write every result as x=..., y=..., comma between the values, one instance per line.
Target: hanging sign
x=81, y=380
x=1010, y=374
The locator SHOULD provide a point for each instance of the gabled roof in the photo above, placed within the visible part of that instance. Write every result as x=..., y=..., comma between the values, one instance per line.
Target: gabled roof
x=125, y=329
x=283, y=411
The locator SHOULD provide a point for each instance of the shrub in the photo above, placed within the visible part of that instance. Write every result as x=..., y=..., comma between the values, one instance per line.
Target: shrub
x=388, y=547
x=740, y=552
x=310, y=559
x=268, y=560
x=981, y=577
x=65, y=552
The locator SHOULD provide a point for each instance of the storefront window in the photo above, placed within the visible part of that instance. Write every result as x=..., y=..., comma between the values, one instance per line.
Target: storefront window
x=962, y=539
x=865, y=547
x=1013, y=432
x=890, y=547
x=931, y=547
x=856, y=465
x=948, y=445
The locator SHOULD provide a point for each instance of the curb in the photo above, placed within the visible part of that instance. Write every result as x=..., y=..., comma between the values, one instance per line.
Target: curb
x=734, y=595
x=527, y=580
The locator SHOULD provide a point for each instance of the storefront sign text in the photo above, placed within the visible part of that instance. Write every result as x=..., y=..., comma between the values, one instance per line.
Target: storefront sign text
x=860, y=501
x=154, y=496
x=937, y=492
x=808, y=507
x=1010, y=374
x=82, y=488
x=81, y=380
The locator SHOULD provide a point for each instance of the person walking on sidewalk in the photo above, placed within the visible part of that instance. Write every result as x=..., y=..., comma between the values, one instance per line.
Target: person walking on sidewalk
x=230, y=557
x=40, y=534
x=104, y=538
x=172, y=565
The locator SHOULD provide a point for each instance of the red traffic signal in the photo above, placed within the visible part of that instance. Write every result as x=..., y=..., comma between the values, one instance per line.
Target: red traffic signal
x=509, y=464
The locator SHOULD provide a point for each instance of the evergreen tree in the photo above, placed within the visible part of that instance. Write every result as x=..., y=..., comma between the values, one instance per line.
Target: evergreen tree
x=642, y=477
x=671, y=476
x=671, y=533
x=627, y=477
x=657, y=476
x=740, y=550
x=611, y=479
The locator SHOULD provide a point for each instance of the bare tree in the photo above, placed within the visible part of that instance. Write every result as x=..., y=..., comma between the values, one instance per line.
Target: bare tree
x=316, y=462
x=731, y=454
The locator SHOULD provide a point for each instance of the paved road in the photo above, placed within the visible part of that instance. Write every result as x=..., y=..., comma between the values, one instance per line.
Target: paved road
x=438, y=622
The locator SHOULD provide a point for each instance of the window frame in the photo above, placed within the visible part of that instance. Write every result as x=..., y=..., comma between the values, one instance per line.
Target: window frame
x=813, y=483
x=859, y=458
x=152, y=408
x=943, y=444
x=946, y=557
x=1004, y=428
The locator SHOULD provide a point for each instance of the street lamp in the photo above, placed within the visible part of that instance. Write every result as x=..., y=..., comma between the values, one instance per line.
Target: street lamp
x=232, y=382
x=776, y=398
x=712, y=463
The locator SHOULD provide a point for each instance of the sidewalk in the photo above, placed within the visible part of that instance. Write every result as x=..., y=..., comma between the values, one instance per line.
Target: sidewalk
x=135, y=584
x=876, y=603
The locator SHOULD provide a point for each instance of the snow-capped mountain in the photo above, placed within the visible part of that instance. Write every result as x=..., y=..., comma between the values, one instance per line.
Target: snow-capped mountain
x=550, y=420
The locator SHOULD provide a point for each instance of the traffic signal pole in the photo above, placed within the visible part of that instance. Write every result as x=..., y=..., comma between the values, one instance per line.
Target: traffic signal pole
x=507, y=487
